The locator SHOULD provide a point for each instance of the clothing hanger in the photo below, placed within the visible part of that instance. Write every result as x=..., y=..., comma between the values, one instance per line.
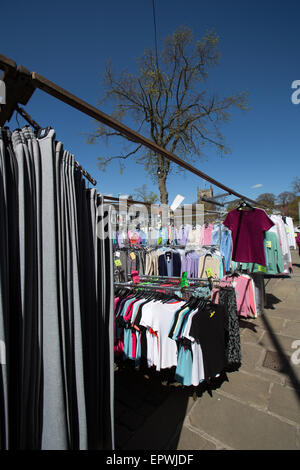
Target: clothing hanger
x=245, y=205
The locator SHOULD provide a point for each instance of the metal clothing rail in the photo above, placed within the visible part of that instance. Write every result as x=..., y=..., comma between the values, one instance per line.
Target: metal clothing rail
x=201, y=213
x=211, y=201
x=128, y=201
x=20, y=90
x=86, y=174
x=33, y=80
x=176, y=278
x=161, y=287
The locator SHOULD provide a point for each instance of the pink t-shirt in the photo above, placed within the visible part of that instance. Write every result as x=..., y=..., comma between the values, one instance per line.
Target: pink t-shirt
x=244, y=295
x=248, y=230
x=206, y=234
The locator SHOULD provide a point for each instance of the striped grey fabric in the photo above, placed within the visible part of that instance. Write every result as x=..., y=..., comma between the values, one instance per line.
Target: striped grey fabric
x=56, y=300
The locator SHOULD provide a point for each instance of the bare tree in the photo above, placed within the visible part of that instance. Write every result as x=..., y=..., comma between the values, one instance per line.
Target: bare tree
x=296, y=185
x=267, y=199
x=170, y=104
x=285, y=198
x=143, y=194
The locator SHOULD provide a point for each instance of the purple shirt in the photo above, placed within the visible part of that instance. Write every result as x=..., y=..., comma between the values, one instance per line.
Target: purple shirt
x=183, y=234
x=248, y=230
x=189, y=263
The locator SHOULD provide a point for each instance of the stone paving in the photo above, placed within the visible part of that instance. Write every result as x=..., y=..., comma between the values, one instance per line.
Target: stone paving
x=254, y=408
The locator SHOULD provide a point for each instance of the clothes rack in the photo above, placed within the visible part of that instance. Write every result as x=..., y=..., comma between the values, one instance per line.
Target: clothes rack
x=56, y=300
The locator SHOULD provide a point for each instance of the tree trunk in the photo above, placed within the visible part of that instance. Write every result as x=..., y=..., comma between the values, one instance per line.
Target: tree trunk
x=164, y=196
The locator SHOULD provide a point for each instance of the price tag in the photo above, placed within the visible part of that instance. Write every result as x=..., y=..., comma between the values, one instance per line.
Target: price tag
x=118, y=262
x=183, y=281
x=212, y=313
x=262, y=269
x=287, y=229
x=209, y=272
x=268, y=244
x=117, y=254
x=132, y=255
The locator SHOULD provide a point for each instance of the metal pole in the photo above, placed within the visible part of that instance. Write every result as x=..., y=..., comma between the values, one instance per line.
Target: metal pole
x=63, y=95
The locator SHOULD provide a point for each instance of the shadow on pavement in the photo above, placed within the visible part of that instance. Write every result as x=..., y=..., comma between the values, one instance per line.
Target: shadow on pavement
x=271, y=300
x=285, y=361
x=150, y=407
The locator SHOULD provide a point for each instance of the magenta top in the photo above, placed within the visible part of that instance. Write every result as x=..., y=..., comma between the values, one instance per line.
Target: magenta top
x=248, y=230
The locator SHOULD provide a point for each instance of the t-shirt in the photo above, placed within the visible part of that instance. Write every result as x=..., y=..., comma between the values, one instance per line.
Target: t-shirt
x=158, y=317
x=197, y=366
x=208, y=329
x=248, y=229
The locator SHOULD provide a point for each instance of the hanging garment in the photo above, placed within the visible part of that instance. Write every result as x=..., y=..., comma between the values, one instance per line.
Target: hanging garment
x=208, y=329
x=248, y=229
x=169, y=264
x=226, y=247
x=169, y=333
x=183, y=234
x=291, y=232
x=283, y=240
x=206, y=234
x=233, y=352
x=194, y=236
x=190, y=263
x=274, y=259
x=244, y=291
x=298, y=242
x=56, y=301
x=210, y=262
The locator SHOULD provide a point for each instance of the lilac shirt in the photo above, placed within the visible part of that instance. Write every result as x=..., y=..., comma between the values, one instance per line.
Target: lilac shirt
x=183, y=234
x=189, y=263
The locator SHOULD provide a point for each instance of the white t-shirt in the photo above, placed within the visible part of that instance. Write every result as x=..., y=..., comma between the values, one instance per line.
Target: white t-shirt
x=291, y=233
x=194, y=236
x=198, y=366
x=162, y=352
x=283, y=239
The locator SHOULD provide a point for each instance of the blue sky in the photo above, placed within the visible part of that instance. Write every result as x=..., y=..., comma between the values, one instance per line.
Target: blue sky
x=70, y=42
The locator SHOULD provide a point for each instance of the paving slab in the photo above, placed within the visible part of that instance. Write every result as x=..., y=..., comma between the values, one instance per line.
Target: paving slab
x=250, y=335
x=285, y=401
x=287, y=312
x=249, y=388
x=190, y=440
x=242, y=427
x=252, y=355
x=281, y=341
x=292, y=328
x=274, y=322
x=270, y=375
x=293, y=381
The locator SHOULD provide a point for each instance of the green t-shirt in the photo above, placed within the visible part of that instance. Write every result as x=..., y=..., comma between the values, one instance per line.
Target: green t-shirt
x=274, y=258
